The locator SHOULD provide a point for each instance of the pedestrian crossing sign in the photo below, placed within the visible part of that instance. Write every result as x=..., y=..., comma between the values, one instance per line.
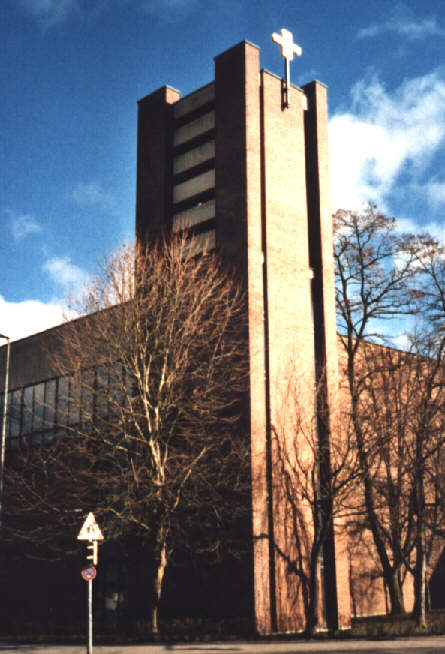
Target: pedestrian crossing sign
x=90, y=529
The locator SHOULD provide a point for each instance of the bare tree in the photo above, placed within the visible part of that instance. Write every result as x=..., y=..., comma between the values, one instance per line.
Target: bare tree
x=401, y=417
x=428, y=416
x=308, y=496
x=152, y=379
x=374, y=267
x=396, y=398
x=393, y=385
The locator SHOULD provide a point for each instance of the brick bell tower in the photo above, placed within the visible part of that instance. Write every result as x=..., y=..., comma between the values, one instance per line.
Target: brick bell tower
x=243, y=162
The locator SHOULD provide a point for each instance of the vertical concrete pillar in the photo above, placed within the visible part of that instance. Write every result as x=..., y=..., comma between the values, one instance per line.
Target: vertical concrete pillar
x=289, y=350
x=154, y=152
x=335, y=566
x=239, y=236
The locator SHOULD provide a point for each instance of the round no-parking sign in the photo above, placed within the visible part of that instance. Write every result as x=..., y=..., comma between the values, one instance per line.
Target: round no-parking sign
x=89, y=573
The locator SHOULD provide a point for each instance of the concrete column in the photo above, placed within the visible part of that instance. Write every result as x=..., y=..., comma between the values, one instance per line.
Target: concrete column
x=335, y=568
x=154, y=162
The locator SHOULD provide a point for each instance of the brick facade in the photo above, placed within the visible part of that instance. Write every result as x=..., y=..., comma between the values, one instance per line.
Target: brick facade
x=272, y=218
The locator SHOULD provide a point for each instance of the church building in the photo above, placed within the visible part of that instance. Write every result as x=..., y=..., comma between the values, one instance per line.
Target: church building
x=242, y=163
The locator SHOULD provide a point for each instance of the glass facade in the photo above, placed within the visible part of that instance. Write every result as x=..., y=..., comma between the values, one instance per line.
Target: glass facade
x=55, y=407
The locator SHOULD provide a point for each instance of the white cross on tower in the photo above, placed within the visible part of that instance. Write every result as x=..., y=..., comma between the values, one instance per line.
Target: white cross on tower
x=288, y=50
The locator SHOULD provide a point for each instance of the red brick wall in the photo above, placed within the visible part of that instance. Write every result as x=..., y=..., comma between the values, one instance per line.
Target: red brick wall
x=289, y=346
x=239, y=236
x=273, y=221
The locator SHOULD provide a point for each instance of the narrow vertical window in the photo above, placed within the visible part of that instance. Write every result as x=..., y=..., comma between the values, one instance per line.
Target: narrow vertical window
x=39, y=407
x=28, y=408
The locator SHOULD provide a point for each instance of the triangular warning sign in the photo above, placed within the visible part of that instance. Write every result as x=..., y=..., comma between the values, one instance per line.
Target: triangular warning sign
x=90, y=529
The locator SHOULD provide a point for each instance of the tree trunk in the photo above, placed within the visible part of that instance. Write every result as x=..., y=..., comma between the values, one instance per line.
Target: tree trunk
x=314, y=590
x=311, y=617
x=420, y=571
x=420, y=589
x=395, y=592
x=158, y=578
x=390, y=572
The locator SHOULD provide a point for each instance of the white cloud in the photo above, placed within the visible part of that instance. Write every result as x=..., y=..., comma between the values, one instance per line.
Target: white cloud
x=92, y=194
x=384, y=134
x=22, y=225
x=411, y=29
x=65, y=273
x=21, y=319
x=49, y=12
x=435, y=229
x=404, y=22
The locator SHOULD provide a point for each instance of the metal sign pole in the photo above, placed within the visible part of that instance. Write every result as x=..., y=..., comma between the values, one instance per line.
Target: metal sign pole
x=4, y=420
x=90, y=532
x=90, y=617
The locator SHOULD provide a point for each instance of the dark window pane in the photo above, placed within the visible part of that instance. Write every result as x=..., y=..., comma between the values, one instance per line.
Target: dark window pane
x=102, y=391
x=63, y=392
x=2, y=399
x=28, y=394
x=39, y=407
x=50, y=403
x=14, y=412
x=88, y=385
x=74, y=418
x=116, y=391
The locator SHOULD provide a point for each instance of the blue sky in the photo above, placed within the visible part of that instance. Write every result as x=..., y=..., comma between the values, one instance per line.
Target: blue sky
x=73, y=70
